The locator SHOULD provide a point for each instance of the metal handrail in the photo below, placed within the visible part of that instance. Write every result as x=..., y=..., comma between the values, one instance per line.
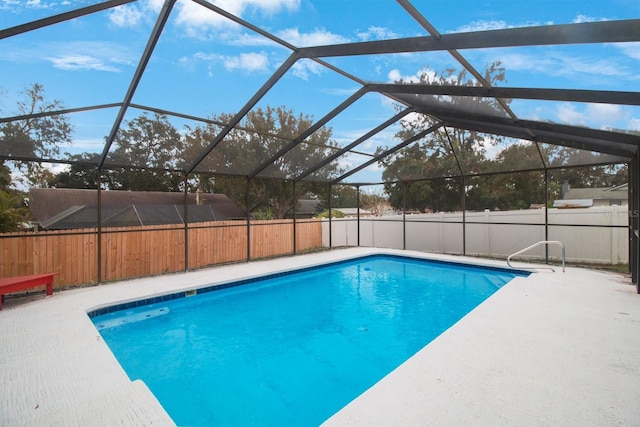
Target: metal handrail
x=543, y=242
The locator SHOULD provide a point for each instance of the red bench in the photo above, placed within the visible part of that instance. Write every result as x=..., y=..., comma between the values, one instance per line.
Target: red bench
x=20, y=283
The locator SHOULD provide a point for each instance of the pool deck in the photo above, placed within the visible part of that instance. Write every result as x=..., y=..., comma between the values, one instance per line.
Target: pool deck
x=551, y=349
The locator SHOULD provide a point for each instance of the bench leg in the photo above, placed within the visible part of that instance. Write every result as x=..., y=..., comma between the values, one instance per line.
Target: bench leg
x=50, y=288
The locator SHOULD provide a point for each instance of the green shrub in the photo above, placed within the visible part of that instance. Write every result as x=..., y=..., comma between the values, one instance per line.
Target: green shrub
x=334, y=214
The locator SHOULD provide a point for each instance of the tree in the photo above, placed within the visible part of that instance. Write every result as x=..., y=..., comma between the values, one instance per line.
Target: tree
x=334, y=214
x=344, y=196
x=34, y=138
x=409, y=164
x=144, y=153
x=83, y=173
x=444, y=152
x=374, y=201
x=5, y=177
x=262, y=133
x=585, y=176
x=151, y=145
x=13, y=211
x=506, y=191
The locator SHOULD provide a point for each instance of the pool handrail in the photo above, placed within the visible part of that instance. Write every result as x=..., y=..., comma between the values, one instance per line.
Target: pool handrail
x=542, y=242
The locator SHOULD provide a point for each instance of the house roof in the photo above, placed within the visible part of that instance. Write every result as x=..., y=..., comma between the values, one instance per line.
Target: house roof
x=307, y=206
x=63, y=208
x=600, y=193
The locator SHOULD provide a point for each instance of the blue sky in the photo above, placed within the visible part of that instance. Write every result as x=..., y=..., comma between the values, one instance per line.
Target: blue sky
x=205, y=65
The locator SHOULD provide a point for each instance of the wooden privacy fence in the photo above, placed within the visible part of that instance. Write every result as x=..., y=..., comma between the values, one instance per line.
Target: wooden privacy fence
x=128, y=252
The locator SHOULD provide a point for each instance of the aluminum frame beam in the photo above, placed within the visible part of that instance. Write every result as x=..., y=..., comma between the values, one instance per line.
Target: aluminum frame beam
x=355, y=143
x=62, y=17
x=615, y=143
x=333, y=113
x=388, y=152
x=549, y=137
x=286, y=65
x=541, y=94
x=589, y=32
x=163, y=16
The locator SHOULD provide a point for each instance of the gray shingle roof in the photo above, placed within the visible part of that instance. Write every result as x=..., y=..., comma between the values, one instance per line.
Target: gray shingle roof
x=62, y=208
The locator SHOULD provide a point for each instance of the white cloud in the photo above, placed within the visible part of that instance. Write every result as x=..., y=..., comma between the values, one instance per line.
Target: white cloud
x=198, y=20
x=350, y=160
x=126, y=16
x=135, y=14
x=345, y=161
x=482, y=26
x=601, y=67
x=414, y=119
x=316, y=38
x=395, y=76
x=341, y=91
x=35, y=4
x=567, y=113
x=603, y=113
x=81, y=145
x=632, y=50
x=18, y=5
x=375, y=167
x=580, y=18
x=491, y=146
x=305, y=67
x=486, y=25
x=348, y=135
x=88, y=55
x=79, y=55
x=239, y=7
x=550, y=62
x=80, y=62
x=247, y=39
x=38, y=4
x=377, y=33
x=384, y=138
x=8, y=4
x=154, y=5
x=596, y=116
x=247, y=62
x=57, y=168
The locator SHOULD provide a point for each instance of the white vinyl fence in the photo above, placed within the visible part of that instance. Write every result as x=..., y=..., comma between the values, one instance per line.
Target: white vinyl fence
x=495, y=234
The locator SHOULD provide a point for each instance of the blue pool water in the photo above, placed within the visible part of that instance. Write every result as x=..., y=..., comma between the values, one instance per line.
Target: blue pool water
x=292, y=349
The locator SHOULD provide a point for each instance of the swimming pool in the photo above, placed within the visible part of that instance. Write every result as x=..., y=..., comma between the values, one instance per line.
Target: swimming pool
x=295, y=348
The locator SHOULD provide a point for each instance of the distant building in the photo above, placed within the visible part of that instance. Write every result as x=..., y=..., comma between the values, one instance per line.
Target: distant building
x=310, y=208
x=307, y=208
x=353, y=212
x=587, y=197
x=66, y=208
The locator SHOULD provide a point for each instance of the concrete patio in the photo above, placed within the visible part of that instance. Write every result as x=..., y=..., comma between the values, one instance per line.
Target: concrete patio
x=550, y=349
